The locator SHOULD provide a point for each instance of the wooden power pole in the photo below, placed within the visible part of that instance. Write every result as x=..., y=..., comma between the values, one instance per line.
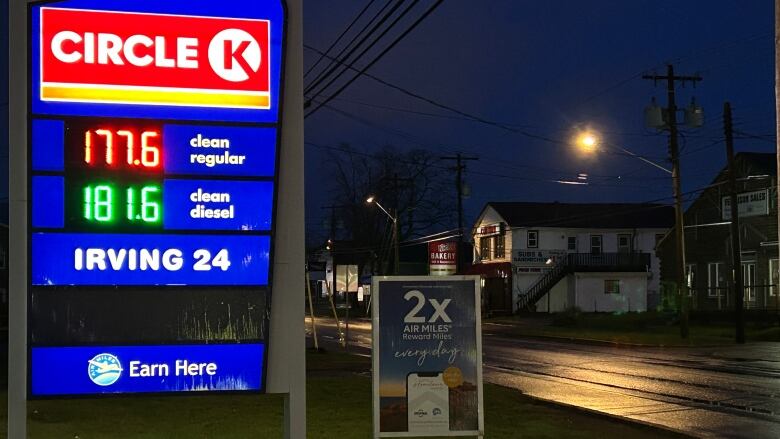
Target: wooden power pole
x=736, y=255
x=460, y=166
x=674, y=155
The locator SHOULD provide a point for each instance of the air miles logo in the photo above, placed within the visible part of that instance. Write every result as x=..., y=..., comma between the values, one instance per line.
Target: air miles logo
x=104, y=369
x=116, y=57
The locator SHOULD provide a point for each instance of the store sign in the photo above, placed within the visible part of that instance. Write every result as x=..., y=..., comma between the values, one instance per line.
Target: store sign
x=492, y=229
x=442, y=258
x=154, y=59
x=427, y=356
x=749, y=204
x=536, y=258
x=154, y=144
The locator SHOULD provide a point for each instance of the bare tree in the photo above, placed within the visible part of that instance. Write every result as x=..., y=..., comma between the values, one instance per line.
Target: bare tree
x=412, y=184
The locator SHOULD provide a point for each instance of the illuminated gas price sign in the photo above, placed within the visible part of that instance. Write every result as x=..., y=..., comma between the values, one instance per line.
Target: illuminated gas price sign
x=154, y=133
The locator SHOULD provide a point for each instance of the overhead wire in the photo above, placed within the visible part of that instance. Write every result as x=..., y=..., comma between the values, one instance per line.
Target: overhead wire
x=338, y=39
x=381, y=55
x=362, y=36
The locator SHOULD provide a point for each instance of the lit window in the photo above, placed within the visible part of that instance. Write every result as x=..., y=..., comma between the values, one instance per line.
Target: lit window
x=484, y=248
x=498, y=247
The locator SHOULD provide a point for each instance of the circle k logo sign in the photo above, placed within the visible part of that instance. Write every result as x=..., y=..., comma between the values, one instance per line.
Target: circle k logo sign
x=234, y=55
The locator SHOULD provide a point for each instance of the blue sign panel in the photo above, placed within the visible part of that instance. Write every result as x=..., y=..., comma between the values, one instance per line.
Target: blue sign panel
x=104, y=259
x=215, y=150
x=145, y=369
x=154, y=139
x=217, y=205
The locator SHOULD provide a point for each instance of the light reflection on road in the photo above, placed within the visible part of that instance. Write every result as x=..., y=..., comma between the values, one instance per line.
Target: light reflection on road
x=725, y=392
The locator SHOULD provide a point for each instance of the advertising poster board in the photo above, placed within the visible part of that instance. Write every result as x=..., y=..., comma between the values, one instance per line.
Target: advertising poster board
x=427, y=356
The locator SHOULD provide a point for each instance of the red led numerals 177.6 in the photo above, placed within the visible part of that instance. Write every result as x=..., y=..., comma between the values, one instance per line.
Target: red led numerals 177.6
x=122, y=148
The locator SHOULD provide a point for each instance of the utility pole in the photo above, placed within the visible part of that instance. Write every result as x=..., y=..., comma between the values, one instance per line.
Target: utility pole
x=736, y=256
x=460, y=166
x=777, y=112
x=674, y=154
x=396, y=183
x=331, y=290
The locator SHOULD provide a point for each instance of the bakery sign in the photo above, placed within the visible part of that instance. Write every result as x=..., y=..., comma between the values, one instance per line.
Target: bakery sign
x=442, y=258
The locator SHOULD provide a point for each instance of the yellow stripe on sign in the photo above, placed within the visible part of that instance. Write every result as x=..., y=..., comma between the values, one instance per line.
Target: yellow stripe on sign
x=154, y=97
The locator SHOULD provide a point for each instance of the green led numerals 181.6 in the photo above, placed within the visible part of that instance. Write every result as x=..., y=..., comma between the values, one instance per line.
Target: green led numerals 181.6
x=107, y=204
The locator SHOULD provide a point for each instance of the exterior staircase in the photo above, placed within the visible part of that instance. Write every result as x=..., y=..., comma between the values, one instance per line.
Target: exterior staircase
x=578, y=263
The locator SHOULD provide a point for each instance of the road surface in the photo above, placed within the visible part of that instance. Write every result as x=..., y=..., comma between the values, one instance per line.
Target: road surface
x=726, y=392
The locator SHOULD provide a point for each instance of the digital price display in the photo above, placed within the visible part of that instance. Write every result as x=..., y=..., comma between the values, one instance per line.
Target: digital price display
x=152, y=175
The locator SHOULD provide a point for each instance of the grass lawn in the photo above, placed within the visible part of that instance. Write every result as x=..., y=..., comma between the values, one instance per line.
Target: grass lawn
x=339, y=406
x=633, y=328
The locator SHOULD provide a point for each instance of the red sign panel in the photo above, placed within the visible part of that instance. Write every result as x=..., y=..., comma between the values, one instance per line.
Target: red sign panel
x=154, y=59
x=442, y=257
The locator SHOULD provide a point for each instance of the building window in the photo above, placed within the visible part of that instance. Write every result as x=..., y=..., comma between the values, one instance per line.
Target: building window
x=690, y=275
x=533, y=239
x=3, y=260
x=484, y=248
x=774, y=276
x=611, y=286
x=572, y=244
x=714, y=278
x=595, y=244
x=624, y=243
x=498, y=247
x=748, y=281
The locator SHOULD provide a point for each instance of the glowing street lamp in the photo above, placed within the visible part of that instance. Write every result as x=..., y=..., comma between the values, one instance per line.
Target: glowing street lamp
x=372, y=200
x=587, y=141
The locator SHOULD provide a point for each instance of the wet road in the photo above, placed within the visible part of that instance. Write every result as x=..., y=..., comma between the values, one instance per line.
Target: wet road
x=726, y=392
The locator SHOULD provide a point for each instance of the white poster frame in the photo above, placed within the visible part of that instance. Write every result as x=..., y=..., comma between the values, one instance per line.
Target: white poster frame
x=375, y=346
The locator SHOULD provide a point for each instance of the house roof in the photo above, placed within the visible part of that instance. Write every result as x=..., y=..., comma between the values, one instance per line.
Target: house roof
x=586, y=215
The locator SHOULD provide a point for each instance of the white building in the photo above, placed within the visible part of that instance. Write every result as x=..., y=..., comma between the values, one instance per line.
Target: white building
x=552, y=256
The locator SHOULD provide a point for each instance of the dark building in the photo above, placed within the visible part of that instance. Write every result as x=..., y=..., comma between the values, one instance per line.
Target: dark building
x=708, y=255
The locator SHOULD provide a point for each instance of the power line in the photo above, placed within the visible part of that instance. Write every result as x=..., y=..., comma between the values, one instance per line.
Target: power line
x=336, y=41
x=381, y=54
x=335, y=65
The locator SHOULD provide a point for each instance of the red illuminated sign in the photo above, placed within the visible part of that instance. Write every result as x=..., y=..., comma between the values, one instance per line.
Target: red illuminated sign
x=154, y=59
x=442, y=257
x=113, y=145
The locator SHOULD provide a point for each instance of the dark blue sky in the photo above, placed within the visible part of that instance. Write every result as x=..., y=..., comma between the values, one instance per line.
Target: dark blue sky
x=550, y=66
x=547, y=66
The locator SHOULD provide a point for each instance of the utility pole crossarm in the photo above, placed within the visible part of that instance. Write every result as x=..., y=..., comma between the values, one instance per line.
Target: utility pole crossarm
x=459, y=168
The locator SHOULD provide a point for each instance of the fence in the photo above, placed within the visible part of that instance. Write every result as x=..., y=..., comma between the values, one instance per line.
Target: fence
x=756, y=297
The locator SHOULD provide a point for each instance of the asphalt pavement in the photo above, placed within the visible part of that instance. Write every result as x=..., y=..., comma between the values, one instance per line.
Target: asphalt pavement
x=707, y=392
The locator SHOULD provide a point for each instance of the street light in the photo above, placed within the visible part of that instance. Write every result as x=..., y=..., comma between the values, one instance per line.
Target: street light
x=587, y=141
x=372, y=200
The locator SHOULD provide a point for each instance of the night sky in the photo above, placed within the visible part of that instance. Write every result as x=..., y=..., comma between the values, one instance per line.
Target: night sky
x=548, y=67
x=544, y=68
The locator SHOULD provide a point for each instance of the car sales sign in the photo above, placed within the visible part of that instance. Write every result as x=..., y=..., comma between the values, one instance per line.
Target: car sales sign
x=154, y=137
